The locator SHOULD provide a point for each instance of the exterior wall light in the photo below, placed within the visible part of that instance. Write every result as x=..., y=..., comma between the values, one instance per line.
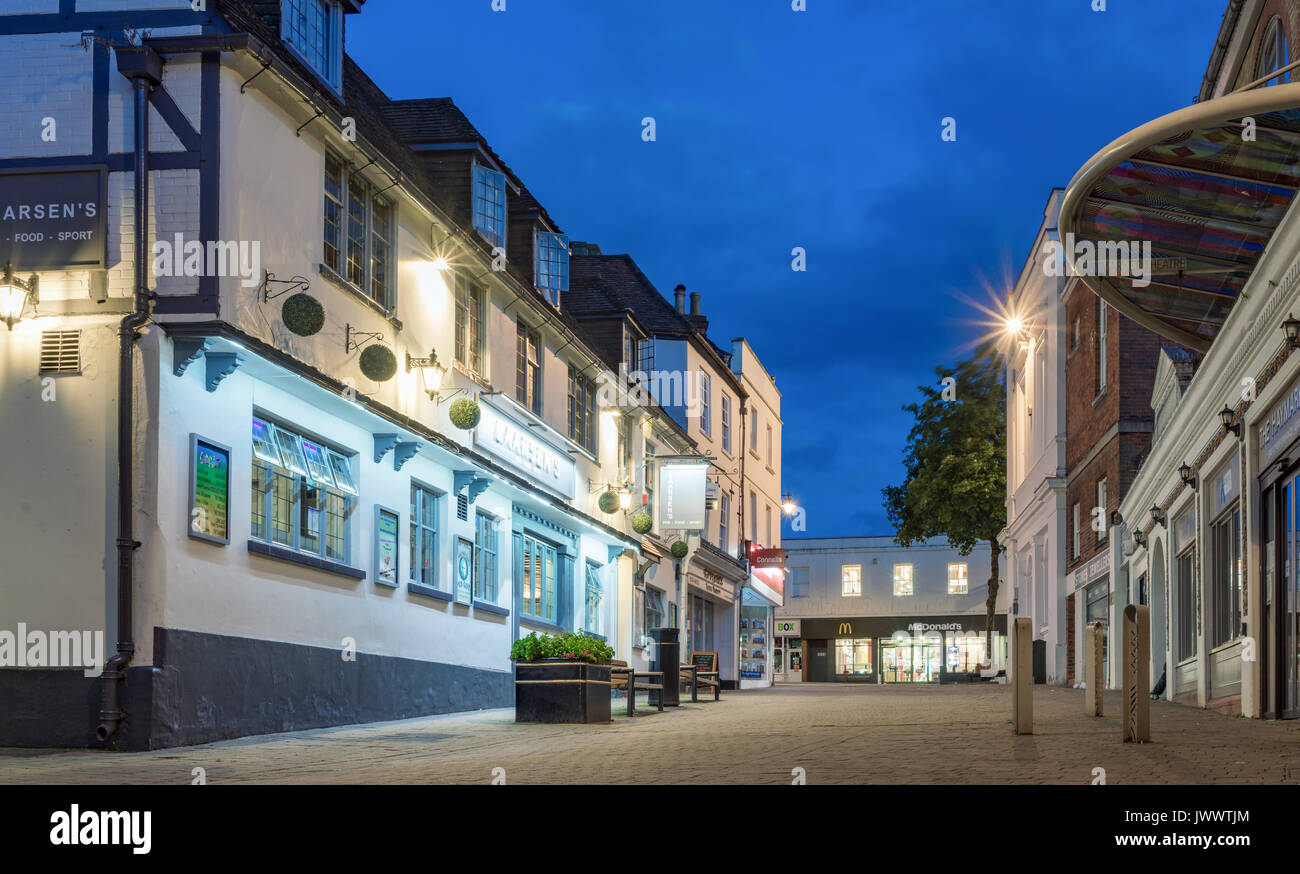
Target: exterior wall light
x=1186, y=474
x=1228, y=418
x=788, y=506
x=1157, y=515
x=430, y=371
x=1291, y=327
x=1139, y=538
x=14, y=294
x=1116, y=518
x=624, y=499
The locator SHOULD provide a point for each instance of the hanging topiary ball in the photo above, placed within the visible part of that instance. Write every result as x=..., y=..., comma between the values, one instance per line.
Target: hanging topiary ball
x=679, y=549
x=303, y=314
x=464, y=413
x=378, y=363
x=608, y=501
x=641, y=522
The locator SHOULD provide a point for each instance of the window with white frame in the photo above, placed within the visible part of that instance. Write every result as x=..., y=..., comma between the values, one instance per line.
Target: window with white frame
x=540, y=571
x=314, y=29
x=753, y=430
x=724, y=512
x=358, y=233
x=850, y=580
x=303, y=492
x=753, y=515
x=957, y=582
x=594, y=615
x=471, y=301
x=769, y=445
x=706, y=392
x=490, y=204
x=1074, y=525
x=726, y=423
x=902, y=580
x=582, y=410
x=799, y=582
x=528, y=368
x=551, y=264
x=629, y=349
x=424, y=536
x=485, y=558
x=1102, y=524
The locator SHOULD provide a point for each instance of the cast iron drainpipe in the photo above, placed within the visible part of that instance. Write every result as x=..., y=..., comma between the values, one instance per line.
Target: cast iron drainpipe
x=143, y=66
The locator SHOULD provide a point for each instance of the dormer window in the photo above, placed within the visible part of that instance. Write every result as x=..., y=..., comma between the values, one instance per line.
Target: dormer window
x=314, y=30
x=551, y=264
x=490, y=204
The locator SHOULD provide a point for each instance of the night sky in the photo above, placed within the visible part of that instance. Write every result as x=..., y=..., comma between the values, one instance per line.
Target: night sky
x=819, y=129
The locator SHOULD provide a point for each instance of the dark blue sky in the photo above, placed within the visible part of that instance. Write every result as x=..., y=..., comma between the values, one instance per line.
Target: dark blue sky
x=818, y=129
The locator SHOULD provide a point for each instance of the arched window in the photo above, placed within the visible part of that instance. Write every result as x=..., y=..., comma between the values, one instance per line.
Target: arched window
x=1273, y=52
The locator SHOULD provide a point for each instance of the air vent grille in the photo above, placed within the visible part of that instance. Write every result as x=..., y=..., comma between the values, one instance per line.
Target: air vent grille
x=60, y=352
x=462, y=508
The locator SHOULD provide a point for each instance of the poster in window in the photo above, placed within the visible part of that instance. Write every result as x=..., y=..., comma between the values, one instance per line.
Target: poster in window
x=386, y=533
x=209, y=509
x=464, y=571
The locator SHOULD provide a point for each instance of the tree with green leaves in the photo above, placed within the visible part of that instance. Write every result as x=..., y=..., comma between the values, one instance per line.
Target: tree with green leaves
x=956, y=465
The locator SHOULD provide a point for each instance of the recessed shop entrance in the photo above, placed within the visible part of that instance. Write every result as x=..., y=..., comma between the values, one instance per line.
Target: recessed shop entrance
x=819, y=661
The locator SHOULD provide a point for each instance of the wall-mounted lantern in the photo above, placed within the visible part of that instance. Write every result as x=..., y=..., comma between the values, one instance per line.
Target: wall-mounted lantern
x=14, y=294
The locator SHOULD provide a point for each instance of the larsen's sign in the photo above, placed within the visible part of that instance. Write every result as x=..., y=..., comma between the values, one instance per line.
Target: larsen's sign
x=54, y=218
x=518, y=447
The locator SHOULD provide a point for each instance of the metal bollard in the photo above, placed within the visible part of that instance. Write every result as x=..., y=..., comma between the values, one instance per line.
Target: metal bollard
x=1022, y=701
x=1137, y=674
x=1093, y=640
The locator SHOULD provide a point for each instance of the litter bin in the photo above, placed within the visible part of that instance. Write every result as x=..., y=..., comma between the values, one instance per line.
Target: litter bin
x=667, y=658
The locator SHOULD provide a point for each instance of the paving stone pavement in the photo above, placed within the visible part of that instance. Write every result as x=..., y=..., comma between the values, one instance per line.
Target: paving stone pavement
x=837, y=733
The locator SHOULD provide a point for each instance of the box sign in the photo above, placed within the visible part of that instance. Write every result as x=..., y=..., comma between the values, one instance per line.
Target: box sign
x=767, y=558
x=209, y=515
x=786, y=627
x=518, y=447
x=54, y=219
x=681, y=496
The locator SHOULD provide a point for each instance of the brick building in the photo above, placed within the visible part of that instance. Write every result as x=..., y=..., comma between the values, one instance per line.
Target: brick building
x=1110, y=368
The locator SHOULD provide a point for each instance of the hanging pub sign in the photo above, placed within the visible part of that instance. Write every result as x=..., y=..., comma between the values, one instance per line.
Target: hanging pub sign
x=681, y=496
x=54, y=218
x=209, y=490
x=767, y=558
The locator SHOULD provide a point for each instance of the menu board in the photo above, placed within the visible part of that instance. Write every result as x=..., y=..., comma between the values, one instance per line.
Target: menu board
x=705, y=661
x=209, y=511
x=386, y=532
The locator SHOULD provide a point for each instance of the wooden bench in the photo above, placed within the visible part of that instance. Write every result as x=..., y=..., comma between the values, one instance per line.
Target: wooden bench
x=621, y=676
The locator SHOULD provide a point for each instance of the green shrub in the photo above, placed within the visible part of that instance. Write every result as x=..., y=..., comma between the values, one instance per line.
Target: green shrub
x=641, y=522
x=608, y=502
x=302, y=314
x=568, y=645
x=679, y=549
x=378, y=363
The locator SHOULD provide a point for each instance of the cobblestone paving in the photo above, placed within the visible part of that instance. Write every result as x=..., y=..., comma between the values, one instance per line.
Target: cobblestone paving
x=837, y=733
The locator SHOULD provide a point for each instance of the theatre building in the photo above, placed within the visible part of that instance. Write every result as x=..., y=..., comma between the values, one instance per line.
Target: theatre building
x=866, y=610
x=1205, y=533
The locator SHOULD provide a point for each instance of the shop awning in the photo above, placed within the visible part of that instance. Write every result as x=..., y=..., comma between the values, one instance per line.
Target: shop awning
x=1203, y=194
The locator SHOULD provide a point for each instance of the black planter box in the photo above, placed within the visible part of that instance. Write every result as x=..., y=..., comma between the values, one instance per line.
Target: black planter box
x=561, y=690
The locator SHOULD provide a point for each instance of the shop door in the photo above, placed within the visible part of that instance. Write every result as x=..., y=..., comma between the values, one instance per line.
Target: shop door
x=915, y=662
x=1286, y=602
x=819, y=662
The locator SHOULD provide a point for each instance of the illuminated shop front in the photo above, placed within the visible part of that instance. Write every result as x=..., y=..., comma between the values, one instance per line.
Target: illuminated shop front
x=891, y=649
x=761, y=595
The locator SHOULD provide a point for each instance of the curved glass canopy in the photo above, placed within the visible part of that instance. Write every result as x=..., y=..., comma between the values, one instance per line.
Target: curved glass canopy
x=1205, y=188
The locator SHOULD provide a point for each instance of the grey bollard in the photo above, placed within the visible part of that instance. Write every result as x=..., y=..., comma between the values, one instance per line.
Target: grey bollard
x=1136, y=656
x=1022, y=695
x=1094, y=638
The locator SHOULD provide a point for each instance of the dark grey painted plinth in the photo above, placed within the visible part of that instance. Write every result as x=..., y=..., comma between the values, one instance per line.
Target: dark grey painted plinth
x=208, y=687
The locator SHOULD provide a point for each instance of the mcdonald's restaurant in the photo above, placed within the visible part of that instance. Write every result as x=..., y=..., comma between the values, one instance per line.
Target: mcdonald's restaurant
x=898, y=649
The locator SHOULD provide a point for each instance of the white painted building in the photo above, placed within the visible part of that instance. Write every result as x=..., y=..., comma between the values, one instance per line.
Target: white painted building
x=1034, y=537
x=308, y=537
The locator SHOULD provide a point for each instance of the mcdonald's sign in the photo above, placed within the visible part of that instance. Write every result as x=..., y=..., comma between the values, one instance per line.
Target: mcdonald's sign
x=845, y=628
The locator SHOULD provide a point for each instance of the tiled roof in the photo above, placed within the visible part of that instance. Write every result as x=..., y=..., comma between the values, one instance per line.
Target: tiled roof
x=430, y=120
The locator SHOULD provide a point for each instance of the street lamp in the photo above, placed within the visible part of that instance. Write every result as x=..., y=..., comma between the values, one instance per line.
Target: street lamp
x=14, y=293
x=430, y=371
x=1228, y=418
x=1291, y=327
x=788, y=506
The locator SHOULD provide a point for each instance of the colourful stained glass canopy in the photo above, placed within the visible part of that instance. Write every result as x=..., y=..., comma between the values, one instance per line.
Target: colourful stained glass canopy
x=1202, y=189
